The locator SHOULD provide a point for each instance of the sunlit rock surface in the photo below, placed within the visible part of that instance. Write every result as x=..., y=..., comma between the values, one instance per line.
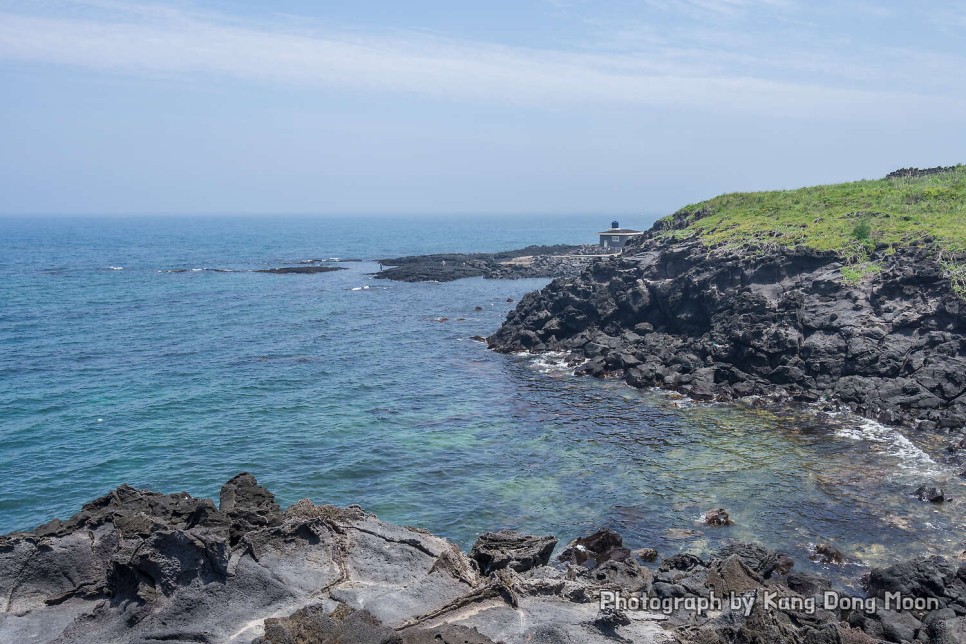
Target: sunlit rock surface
x=139, y=566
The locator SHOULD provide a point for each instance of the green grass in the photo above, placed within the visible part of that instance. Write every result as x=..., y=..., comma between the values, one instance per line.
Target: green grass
x=854, y=273
x=852, y=219
x=956, y=273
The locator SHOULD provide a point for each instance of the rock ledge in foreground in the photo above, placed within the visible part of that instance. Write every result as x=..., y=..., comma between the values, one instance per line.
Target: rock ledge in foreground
x=139, y=566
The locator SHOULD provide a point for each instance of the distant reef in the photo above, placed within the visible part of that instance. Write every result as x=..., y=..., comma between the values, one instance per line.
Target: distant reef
x=533, y=261
x=301, y=269
x=140, y=566
x=849, y=296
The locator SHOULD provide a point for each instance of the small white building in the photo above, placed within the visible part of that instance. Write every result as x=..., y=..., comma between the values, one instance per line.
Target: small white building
x=616, y=237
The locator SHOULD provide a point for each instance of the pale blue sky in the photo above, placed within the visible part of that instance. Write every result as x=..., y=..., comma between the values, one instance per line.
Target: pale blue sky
x=446, y=106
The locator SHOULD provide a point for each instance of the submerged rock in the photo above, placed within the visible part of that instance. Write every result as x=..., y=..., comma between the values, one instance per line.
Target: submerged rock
x=645, y=554
x=930, y=493
x=717, y=517
x=827, y=553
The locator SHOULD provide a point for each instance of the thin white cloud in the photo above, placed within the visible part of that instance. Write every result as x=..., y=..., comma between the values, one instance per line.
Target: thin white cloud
x=148, y=39
x=719, y=8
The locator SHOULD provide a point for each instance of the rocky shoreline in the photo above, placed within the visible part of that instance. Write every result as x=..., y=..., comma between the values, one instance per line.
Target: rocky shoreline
x=140, y=566
x=533, y=261
x=719, y=323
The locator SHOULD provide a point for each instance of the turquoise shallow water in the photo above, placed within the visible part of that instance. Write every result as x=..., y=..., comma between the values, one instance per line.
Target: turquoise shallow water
x=115, y=369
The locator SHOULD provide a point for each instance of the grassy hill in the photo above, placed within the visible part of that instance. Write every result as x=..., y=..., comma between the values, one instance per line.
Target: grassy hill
x=853, y=219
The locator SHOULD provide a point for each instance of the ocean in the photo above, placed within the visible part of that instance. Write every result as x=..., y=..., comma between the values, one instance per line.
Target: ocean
x=145, y=350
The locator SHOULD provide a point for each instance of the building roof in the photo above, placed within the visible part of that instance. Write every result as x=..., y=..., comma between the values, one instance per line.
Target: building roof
x=620, y=231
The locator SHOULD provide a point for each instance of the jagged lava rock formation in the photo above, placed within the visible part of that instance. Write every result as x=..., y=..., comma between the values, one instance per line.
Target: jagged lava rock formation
x=139, y=566
x=723, y=320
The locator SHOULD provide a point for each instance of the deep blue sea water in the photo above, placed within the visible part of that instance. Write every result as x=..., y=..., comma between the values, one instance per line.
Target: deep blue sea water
x=121, y=361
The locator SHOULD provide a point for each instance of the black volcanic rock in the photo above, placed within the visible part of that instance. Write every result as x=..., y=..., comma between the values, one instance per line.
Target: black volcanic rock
x=759, y=559
x=723, y=323
x=138, y=566
x=248, y=506
x=930, y=493
x=923, y=577
x=719, y=517
x=595, y=549
x=827, y=553
x=301, y=269
x=508, y=549
x=533, y=261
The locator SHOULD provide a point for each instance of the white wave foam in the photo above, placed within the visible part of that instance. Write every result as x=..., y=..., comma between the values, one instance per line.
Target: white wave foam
x=551, y=362
x=909, y=456
x=116, y=268
x=360, y=288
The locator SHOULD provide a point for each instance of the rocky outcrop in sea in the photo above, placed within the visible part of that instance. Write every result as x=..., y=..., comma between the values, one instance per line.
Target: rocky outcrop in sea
x=295, y=270
x=140, y=566
x=719, y=323
x=533, y=261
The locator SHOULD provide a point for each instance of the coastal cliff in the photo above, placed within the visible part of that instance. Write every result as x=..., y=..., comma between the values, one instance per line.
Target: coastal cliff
x=847, y=296
x=140, y=566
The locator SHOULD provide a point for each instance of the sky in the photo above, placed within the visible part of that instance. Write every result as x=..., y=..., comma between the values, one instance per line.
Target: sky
x=617, y=107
